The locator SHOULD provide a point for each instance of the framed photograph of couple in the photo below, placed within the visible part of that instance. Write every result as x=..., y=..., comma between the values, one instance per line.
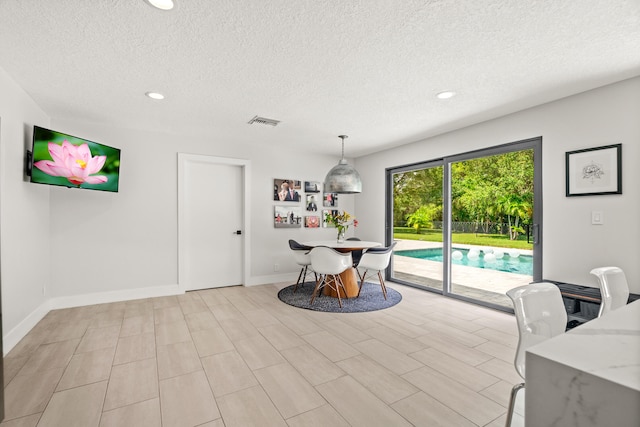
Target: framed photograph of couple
x=594, y=171
x=287, y=217
x=286, y=190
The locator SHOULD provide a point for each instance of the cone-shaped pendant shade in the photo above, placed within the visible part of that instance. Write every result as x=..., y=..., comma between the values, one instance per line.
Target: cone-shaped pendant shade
x=343, y=178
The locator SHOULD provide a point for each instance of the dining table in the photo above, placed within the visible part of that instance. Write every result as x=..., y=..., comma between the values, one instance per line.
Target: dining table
x=349, y=277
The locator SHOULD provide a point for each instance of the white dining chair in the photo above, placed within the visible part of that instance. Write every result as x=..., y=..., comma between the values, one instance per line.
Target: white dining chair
x=355, y=254
x=328, y=264
x=375, y=260
x=303, y=259
x=540, y=315
x=614, y=289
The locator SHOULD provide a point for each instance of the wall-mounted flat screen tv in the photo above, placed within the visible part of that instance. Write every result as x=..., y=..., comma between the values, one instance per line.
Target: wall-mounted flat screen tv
x=69, y=161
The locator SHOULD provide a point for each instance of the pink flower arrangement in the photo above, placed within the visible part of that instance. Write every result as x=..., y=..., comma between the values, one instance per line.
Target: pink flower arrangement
x=73, y=162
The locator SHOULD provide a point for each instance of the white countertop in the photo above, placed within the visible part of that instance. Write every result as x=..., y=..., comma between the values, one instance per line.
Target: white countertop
x=589, y=376
x=607, y=347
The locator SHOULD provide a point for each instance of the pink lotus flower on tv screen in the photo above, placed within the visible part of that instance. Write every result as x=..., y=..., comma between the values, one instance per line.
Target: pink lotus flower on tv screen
x=73, y=162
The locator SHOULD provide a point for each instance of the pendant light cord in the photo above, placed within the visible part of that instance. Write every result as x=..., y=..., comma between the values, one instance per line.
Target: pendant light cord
x=343, y=138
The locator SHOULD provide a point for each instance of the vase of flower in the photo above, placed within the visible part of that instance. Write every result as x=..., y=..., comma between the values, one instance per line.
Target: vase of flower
x=341, y=222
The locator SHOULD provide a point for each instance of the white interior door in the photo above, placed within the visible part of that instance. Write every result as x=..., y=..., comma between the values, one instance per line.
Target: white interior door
x=211, y=216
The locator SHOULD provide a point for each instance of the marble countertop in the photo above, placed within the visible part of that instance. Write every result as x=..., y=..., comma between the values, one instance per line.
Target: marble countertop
x=606, y=347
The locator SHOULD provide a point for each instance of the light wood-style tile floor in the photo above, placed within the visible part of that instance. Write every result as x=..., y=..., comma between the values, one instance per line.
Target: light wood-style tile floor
x=238, y=357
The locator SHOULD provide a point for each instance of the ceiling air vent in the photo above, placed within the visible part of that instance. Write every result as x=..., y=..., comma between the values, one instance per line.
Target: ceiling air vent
x=263, y=121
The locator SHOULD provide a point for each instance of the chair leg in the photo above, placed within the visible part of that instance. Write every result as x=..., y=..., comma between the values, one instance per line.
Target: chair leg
x=315, y=290
x=382, y=285
x=303, y=274
x=361, y=281
x=308, y=270
x=512, y=403
x=338, y=282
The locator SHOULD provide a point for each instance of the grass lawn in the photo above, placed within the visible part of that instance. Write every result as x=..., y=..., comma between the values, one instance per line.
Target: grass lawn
x=494, y=240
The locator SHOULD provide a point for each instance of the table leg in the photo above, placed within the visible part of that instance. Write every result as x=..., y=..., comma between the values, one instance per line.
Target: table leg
x=350, y=280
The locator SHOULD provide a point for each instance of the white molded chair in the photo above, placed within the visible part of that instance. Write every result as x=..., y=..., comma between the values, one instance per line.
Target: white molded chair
x=302, y=258
x=375, y=260
x=540, y=315
x=328, y=264
x=357, y=254
x=614, y=289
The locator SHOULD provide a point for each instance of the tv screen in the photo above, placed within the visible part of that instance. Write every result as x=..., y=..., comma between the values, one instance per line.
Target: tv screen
x=69, y=161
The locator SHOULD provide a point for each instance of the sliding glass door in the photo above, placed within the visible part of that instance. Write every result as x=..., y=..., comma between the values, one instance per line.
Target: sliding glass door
x=468, y=226
x=491, y=217
x=417, y=225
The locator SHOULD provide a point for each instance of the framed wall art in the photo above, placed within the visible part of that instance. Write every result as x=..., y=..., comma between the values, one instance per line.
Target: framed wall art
x=312, y=187
x=326, y=212
x=312, y=221
x=330, y=200
x=287, y=217
x=311, y=204
x=594, y=171
x=286, y=190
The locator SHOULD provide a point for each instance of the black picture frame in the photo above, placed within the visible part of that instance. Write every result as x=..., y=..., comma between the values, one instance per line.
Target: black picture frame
x=594, y=171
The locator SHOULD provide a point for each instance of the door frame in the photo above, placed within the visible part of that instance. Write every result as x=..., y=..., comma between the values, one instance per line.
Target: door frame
x=534, y=144
x=184, y=160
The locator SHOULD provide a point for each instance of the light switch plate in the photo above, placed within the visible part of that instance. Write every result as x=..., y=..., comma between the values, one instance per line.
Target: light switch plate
x=597, y=218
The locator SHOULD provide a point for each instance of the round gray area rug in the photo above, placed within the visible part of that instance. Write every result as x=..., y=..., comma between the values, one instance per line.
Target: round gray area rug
x=370, y=299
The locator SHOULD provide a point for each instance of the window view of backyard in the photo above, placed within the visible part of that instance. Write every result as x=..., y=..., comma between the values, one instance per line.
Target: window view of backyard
x=491, y=226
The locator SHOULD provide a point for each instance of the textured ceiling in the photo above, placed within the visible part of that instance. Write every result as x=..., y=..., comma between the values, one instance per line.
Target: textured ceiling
x=366, y=68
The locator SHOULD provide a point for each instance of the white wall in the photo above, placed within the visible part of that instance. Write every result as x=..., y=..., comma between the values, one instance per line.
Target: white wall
x=110, y=242
x=572, y=246
x=24, y=214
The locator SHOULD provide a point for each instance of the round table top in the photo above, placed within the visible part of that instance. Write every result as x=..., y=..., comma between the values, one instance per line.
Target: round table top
x=347, y=245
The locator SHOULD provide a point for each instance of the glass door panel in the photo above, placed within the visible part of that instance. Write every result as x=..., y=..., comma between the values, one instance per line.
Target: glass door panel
x=492, y=205
x=417, y=227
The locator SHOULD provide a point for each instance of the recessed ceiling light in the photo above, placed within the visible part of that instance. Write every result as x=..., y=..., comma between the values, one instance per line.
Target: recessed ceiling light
x=155, y=95
x=161, y=4
x=446, y=95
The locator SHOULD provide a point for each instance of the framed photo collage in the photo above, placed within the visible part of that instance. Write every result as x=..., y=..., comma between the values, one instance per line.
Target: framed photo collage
x=300, y=204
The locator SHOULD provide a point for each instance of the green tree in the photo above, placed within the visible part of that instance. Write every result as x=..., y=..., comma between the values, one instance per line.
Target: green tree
x=479, y=185
x=516, y=208
x=413, y=189
x=423, y=217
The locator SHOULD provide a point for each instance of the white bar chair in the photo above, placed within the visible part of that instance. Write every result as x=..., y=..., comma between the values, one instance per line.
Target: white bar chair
x=540, y=315
x=614, y=289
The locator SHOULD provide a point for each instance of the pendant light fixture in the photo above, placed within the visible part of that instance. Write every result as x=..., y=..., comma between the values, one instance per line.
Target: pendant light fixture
x=343, y=178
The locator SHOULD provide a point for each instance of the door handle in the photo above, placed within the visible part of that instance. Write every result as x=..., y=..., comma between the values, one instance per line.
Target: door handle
x=535, y=232
x=238, y=232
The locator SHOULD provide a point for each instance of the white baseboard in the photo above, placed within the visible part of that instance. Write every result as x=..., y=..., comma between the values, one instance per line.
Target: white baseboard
x=13, y=337
x=115, y=296
x=265, y=280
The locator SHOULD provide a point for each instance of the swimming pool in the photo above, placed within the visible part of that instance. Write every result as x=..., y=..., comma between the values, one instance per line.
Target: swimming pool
x=521, y=264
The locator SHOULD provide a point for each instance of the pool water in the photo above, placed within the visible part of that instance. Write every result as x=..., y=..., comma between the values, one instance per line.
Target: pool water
x=522, y=264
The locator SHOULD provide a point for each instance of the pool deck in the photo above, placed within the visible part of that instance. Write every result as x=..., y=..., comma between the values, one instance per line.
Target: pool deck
x=485, y=284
